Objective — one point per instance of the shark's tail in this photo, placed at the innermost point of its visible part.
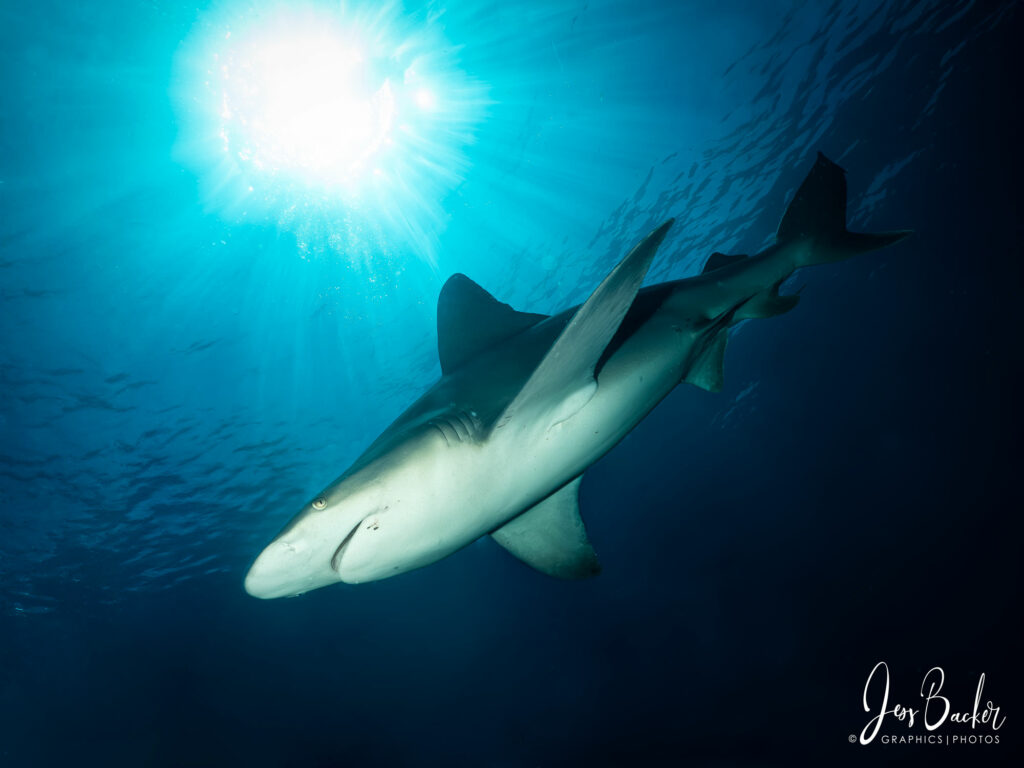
(817, 218)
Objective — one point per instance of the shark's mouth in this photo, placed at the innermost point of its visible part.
(340, 551)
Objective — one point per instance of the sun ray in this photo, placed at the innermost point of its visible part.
(322, 118)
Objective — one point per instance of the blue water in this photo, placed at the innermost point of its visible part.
(179, 375)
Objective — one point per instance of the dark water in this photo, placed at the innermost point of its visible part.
(178, 378)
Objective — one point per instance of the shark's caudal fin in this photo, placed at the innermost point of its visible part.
(564, 381)
(818, 215)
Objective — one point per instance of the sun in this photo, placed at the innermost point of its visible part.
(323, 117)
(307, 105)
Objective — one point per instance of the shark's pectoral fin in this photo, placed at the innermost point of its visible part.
(550, 536)
(564, 381)
(469, 320)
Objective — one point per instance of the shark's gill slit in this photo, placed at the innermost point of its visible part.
(456, 425)
(468, 423)
(437, 426)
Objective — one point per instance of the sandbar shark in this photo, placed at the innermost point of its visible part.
(526, 402)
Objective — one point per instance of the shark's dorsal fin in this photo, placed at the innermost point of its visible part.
(718, 260)
(564, 381)
(469, 320)
(551, 537)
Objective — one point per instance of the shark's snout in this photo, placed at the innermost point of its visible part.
(286, 568)
(267, 576)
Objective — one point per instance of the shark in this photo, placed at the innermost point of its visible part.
(527, 402)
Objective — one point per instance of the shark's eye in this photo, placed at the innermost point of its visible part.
(319, 502)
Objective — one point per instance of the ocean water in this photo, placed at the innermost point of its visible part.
(186, 361)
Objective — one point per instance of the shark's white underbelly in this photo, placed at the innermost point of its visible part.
(487, 488)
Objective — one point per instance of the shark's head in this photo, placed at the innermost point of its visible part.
(299, 558)
(361, 527)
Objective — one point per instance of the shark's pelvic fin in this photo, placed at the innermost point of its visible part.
(550, 536)
(708, 370)
(718, 260)
(767, 303)
(469, 320)
(818, 214)
(564, 381)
